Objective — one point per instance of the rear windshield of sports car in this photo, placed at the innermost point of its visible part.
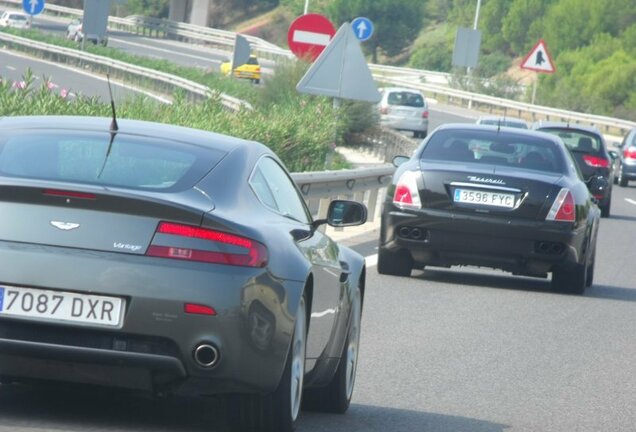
(126, 161)
(492, 148)
(577, 140)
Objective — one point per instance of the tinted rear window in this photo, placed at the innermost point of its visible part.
(489, 147)
(252, 61)
(577, 141)
(18, 17)
(133, 162)
(404, 98)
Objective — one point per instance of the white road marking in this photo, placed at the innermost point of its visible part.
(323, 313)
(631, 201)
(11, 68)
(371, 260)
(302, 36)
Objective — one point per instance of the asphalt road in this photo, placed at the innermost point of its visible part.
(465, 350)
(184, 54)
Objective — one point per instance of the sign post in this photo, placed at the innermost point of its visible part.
(538, 60)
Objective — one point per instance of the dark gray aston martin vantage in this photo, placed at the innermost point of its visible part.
(494, 197)
(162, 258)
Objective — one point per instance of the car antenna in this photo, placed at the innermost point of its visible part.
(114, 127)
(498, 125)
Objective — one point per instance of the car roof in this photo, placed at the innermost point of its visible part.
(495, 129)
(543, 124)
(400, 89)
(76, 124)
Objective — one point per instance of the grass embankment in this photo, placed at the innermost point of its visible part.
(299, 129)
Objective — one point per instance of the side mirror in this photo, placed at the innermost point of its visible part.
(344, 213)
(597, 185)
(399, 160)
(613, 154)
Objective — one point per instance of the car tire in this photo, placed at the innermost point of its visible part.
(256, 81)
(590, 271)
(336, 396)
(395, 264)
(570, 280)
(622, 180)
(605, 210)
(278, 411)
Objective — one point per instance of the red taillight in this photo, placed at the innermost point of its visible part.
(595, 161)
(425, 114)
(630, 153)
(563, 209)
(255, 254)
(384, 110)
(406, 193)
(198, 309)
(68, 194)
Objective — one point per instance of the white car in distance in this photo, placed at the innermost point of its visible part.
(17, 20)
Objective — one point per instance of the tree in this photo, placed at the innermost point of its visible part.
(521, 26)
(397, 22)
(490, 23)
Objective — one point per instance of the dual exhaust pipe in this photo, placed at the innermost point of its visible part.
(549, 248)
(412, 233)
(206, 355)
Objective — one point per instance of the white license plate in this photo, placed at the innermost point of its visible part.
(495, 199)
(61, 306)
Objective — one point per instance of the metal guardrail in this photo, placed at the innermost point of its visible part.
(159, 81)
(538, 112)
(363, 185)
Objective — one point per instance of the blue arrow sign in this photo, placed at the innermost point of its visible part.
(33, 7)
(363, 28)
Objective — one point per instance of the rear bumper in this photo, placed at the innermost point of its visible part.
(403, 123)
(440, 239)
(629, 169)
(155, 344)
(247, 75)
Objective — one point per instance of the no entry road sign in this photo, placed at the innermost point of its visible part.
(309, 34)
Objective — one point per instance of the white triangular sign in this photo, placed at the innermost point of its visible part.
(539, 59)
(341, 71)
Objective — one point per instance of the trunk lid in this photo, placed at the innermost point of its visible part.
(93, 218)
(476, 188)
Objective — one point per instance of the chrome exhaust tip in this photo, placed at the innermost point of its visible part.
(206, 355)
